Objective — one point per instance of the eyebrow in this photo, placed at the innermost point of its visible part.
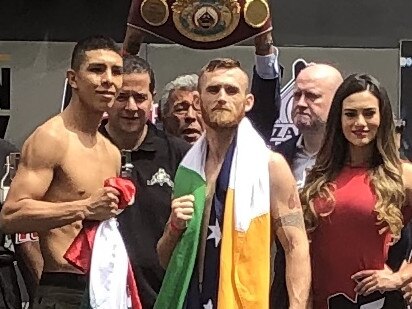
(222, 85)
(312, 91)
(133, 93)
(98, 64)
(355, 110)
(182, 102)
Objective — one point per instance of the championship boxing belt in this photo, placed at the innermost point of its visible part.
(201, 24)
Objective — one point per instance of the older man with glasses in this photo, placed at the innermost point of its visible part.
(179, 111)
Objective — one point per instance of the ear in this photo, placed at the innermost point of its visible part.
(71, 78)
(250, 100)
(196, 100)
(153, 101)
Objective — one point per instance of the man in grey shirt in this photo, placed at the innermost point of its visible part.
(314, 90)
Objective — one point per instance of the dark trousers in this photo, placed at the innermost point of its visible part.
(9, 288)
(60, 291)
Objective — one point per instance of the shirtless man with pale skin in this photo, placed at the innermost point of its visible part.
(63, 167)
(224, 100)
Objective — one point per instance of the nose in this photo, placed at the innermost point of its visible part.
(190, 116)
(131, 104)
(360, 121)
(300, 101)
(107, 77)
(221, 100)
(191, 112)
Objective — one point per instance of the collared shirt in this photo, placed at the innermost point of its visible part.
(141, 225)
(302, 162)
(267, 67)
(266, 90)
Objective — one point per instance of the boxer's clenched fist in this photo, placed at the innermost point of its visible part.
(182, 211)
(103, 204)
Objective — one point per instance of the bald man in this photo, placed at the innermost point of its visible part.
(314, 90)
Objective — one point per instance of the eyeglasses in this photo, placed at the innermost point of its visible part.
(182, 108)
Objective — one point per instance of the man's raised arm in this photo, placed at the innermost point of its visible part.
(265, 86)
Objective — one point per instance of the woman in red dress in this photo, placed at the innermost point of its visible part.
(355, 201)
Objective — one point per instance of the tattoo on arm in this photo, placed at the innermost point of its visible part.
(294, 201)
(292, 219)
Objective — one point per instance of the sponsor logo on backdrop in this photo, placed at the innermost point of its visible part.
(284, 129)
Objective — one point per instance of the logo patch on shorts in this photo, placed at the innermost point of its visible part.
(161, 178)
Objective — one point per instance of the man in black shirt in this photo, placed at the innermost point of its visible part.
(155, 156)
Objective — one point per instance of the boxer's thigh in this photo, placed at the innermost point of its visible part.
(50, 297)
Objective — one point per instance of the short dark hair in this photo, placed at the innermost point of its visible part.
(135, 64)
(91, 43)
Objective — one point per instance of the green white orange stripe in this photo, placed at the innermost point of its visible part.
(245, 253)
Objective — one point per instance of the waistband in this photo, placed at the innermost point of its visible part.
(67, 280)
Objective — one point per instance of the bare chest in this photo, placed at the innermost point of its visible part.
(83, 171)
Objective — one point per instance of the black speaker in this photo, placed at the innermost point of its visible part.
(5, 99)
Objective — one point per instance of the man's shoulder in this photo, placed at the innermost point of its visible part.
(49, 140)
(108, 144)
(53, 127)
(176, 144)
(276, 159)
(279, 171)
(179, 143)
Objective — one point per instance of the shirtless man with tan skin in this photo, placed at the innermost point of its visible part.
(224, 100)
(63, 167)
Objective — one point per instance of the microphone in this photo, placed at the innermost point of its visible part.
(127, 165)
(12, 162)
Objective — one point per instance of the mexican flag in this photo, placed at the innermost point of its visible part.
(99, 251)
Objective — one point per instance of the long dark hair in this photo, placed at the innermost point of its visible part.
(384, 168)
